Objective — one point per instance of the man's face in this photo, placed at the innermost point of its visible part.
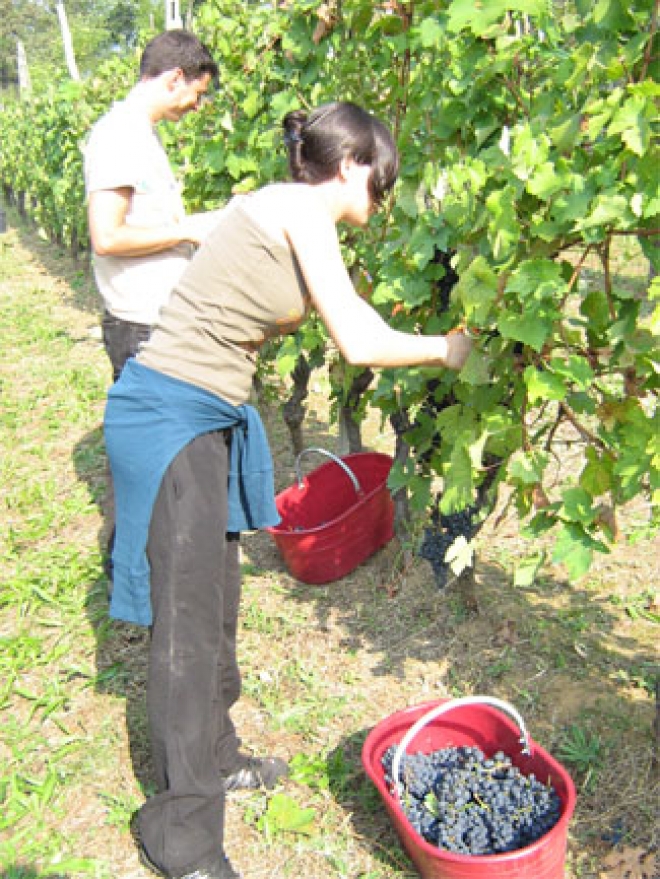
(185, 96)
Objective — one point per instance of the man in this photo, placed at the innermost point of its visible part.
(141, 237)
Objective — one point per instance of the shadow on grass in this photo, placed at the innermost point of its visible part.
(79, 288)
(358, 797)
(121, 648)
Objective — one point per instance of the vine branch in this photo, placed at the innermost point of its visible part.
(646, 61)
(584, 432)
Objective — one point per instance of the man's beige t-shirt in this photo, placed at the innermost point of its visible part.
(124, 150)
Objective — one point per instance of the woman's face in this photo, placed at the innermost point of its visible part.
(359, 203)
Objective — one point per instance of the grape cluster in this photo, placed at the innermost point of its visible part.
(441, 534)
(444, 285)
(459, 800)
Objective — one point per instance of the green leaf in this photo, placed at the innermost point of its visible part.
(612, 15)
(595, 307)
(543, 385)
(577, 506)
(457, 492)
(653, 451)
(529, 151)
(460, 555)
(476, 450)
(596, 476)
(527, 569)
(631, 470)
(608, 209)
(419, 488)
(431, 33)
(566, 133)
(570, 206)
(504, 229)
(311, 771)
(630, 122)
(286, 363)
(284, 815)
(575, 369)
(573, 549)
(399, 476)
(531, 328)
(407, 200)
(480, 15)
(476, 370)
(537, 278)
(545, 181)
(476, 290)
(527, 468)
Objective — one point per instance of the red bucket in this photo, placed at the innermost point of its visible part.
(475, 723)
(334, 518)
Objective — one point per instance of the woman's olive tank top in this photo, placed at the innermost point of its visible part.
(241, 288)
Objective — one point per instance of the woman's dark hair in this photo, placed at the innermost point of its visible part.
(318, 142)
(177, 48)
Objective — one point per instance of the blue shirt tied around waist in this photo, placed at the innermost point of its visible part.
(149, 418)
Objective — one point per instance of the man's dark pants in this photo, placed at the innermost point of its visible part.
(122, 339)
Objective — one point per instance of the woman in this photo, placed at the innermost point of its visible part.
(191, 464)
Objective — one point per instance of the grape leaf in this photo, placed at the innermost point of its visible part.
(532, 328)
(543, 385)
(476, 370)
(460, 555)
(577, 505)
(476, 290)
(479, 15)
(527, 569)
(430, 33)
(284, 815)
(573, 550)
(526, 469)
(596, 477)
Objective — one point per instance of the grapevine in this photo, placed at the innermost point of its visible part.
(524, 160)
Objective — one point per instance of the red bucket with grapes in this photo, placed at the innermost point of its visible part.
(469, 792)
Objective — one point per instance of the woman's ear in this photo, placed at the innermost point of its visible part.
(345, 167)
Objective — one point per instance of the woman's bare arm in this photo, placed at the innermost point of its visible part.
(359, 332)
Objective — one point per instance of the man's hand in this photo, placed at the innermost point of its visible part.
(198, 226)
(111, 235)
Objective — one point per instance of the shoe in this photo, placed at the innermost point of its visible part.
(219, 869)
(256, 772)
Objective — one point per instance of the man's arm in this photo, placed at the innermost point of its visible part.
(112, 236)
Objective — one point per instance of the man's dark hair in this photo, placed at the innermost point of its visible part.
(177, 48)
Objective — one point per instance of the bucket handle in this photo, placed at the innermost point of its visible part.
(347, 470)
(436, 711)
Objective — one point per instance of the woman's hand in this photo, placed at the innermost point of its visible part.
(459, 345)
